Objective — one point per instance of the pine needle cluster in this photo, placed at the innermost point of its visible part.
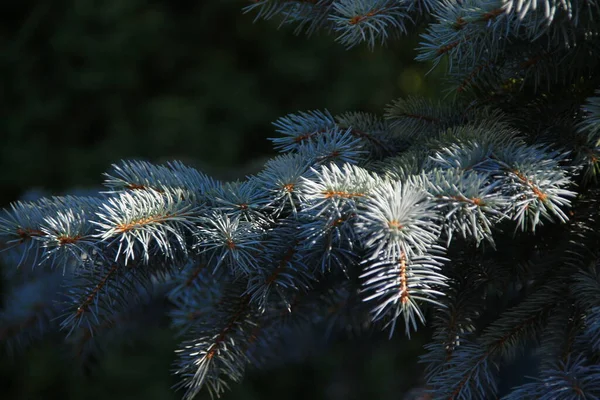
(478, 216)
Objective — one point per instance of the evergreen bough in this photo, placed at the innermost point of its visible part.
(479, 214)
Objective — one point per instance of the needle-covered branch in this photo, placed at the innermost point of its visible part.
(480, 211)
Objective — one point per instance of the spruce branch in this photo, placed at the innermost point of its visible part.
(244, 200)
(357, 21)
(592, 328)
(310, 15)
(458, 311)
(575, 378)
(284, 271)
(417, 116)
(217, 349)
(374, 132)
(571, 8)
(462, 197)
(561, 340)
(463, 31)
(331, 244)
(472, 370)
(483, 209)
(57, 229)
(537, 183)
(141, 175)
(334, 191)
(229, 241)
(591, 123)
(399, 284)
(300, 128)
(334, 146)
(96, 294)
(281, 178)
(147, 222)
(398, 221)
(124, 323)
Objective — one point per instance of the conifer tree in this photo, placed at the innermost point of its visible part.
(477, 216)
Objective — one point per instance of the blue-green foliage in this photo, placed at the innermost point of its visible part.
(363, 221)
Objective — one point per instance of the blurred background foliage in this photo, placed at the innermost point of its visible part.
(86, 83)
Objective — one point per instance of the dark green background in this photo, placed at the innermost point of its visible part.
(86, 83)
